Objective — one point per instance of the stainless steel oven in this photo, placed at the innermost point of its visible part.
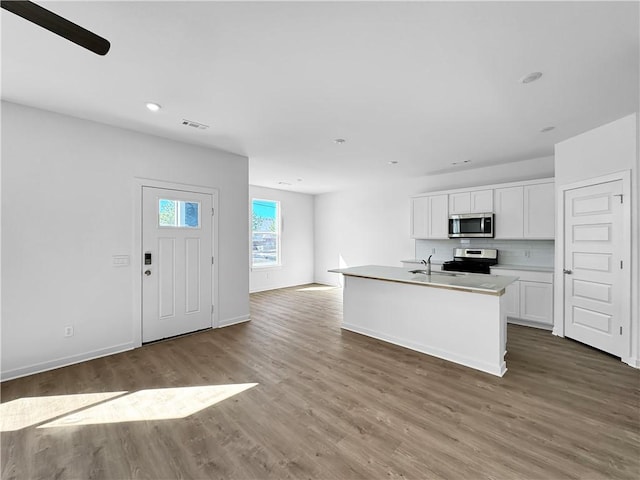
(472, 260)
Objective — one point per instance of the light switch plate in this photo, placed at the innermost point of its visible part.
(120, 260)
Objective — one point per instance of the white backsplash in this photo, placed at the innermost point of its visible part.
(539, 253)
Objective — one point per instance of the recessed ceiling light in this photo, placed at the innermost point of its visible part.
(284, 183)
(299, 179)
(154, 107)
(547, 129)
(393, 162)
(339, 141)
(532, 77)
(459, 163)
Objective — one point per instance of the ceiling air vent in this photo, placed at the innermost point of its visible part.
(191, 123)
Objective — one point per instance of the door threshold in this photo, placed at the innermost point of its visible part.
(177, 336)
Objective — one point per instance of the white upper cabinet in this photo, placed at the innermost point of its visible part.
(526, 211)
(430, 217)
(480, 201)
(509, 212)
(459, 203)
(523, 210)
(439, 216)
(539, 211)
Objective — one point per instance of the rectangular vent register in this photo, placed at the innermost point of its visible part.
(191, 123)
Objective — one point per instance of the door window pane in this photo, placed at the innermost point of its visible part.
(178, 214)
(265, 233)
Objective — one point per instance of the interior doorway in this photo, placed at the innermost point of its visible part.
(596, 280)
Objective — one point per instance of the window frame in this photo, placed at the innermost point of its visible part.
(179, 213)
(278, 235)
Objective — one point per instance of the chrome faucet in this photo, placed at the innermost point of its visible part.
(427, 263)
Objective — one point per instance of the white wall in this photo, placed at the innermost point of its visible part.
(608, 149)
(296, 241)
(370, 225)
(67, 207)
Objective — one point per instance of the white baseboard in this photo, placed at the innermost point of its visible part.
(633, 362)
(64, 361)
(278, 286)
(525, 323)
(233, 321)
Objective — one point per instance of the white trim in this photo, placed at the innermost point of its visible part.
(234, 321)
(65, 361)
(625, 177)
(632, 362)
(486, 187)
(279, 286)
(278, 263)
(136, 257)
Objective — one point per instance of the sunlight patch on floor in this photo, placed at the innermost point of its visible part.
(24, 412)
(156, 404)
(114, 407)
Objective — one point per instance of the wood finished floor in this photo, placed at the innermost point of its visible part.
(334, 404)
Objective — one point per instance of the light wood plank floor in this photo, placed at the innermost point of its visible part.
(334, 404)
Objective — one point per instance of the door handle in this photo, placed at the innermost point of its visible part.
(147, 272)
(567, 271)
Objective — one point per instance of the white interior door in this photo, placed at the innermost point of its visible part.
(594, 285)
(176, 262)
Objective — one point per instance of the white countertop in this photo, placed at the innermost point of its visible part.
(467, 282)
(526, 268)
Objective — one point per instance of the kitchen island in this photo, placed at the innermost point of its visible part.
(455, 316)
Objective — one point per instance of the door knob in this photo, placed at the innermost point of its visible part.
(147, 272)
(567, 271)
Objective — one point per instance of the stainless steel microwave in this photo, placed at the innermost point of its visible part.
(471, 225)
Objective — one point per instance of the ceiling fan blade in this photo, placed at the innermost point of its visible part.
(58, 25)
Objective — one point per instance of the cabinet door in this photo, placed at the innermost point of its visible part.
(536, 301)
(459, 203)
(512, 300)
(438, 216)
(539, 211)
(509, 210)
(482, 201)
(420, 217)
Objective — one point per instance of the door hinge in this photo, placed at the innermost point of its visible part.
(620, 330)
(621, 197)
(211, 260)
(211, 308)
(621, 267)
(213, 211)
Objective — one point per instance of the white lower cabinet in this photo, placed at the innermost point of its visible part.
(529, 301)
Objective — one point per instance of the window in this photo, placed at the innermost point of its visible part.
(178, 214)
(265, 233)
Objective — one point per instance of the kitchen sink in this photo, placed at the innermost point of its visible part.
(451, 274)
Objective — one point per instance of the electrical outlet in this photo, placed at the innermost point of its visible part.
(68, 331)
(527, 253)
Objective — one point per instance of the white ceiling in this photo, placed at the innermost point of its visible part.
(425, 84)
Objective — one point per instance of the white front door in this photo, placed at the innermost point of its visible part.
(176, 262)
(594, 285)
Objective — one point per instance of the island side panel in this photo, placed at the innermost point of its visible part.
(462, 327)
